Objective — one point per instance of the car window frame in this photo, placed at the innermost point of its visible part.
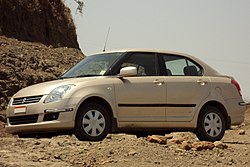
(115, 69)
(163, 67)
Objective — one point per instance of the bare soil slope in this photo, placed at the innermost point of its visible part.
(123, 150)
(46, 21)
(26, 63)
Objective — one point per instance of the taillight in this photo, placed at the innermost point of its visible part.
(235, 83)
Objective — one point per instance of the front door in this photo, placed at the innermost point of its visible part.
(141, 98)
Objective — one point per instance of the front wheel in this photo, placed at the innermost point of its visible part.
(92, 122)
(211, 124)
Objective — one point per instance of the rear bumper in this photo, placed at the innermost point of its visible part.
(244, 103)
(237, 108)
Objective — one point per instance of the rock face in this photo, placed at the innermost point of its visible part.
(157, 139)
(45, 21)
(185, 141)
(203, 145)
(185, 145)
(24, 63)
(242, 132)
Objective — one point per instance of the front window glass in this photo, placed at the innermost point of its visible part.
(146, 63)
(95, 65)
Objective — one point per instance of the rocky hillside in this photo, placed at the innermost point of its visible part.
(45, 21)
(26, 63)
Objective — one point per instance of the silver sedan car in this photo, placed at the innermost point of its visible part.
(130, 89)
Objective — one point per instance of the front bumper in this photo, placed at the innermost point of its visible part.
(41, 117)
(39, 127)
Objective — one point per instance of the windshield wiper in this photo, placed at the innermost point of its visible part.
(88, 75)
(79, 76)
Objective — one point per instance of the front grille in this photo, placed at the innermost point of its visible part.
(26, 119)
(26, 100)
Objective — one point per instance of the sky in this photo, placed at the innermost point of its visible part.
(216, 31)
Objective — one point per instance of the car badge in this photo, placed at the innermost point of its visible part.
(24, 99)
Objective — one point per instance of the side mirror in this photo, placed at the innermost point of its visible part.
(128, 71)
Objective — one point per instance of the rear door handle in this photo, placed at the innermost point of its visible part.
(158, 82)
(201, 82)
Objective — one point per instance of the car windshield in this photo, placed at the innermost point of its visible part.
(95, 65)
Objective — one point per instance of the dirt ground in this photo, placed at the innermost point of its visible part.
(123, 150)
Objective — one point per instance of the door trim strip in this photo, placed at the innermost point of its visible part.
(156, 105)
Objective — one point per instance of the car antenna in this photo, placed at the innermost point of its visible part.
(104, 49)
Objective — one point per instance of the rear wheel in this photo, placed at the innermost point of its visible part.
(211, 124)
(92, 122)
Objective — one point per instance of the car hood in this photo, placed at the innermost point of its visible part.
(46, 87)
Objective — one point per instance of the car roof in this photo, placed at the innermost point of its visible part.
(146, 50)
(208, 70)
(152, 51)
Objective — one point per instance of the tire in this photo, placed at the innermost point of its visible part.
(92, 123)
(211, 124)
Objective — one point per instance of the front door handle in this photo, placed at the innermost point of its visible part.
(201, 82)
(158, 82)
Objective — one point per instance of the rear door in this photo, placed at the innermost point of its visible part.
(186, 87)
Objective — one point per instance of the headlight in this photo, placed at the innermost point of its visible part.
(57, 94)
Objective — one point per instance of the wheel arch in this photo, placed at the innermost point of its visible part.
(101, 101)
(219, 106)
